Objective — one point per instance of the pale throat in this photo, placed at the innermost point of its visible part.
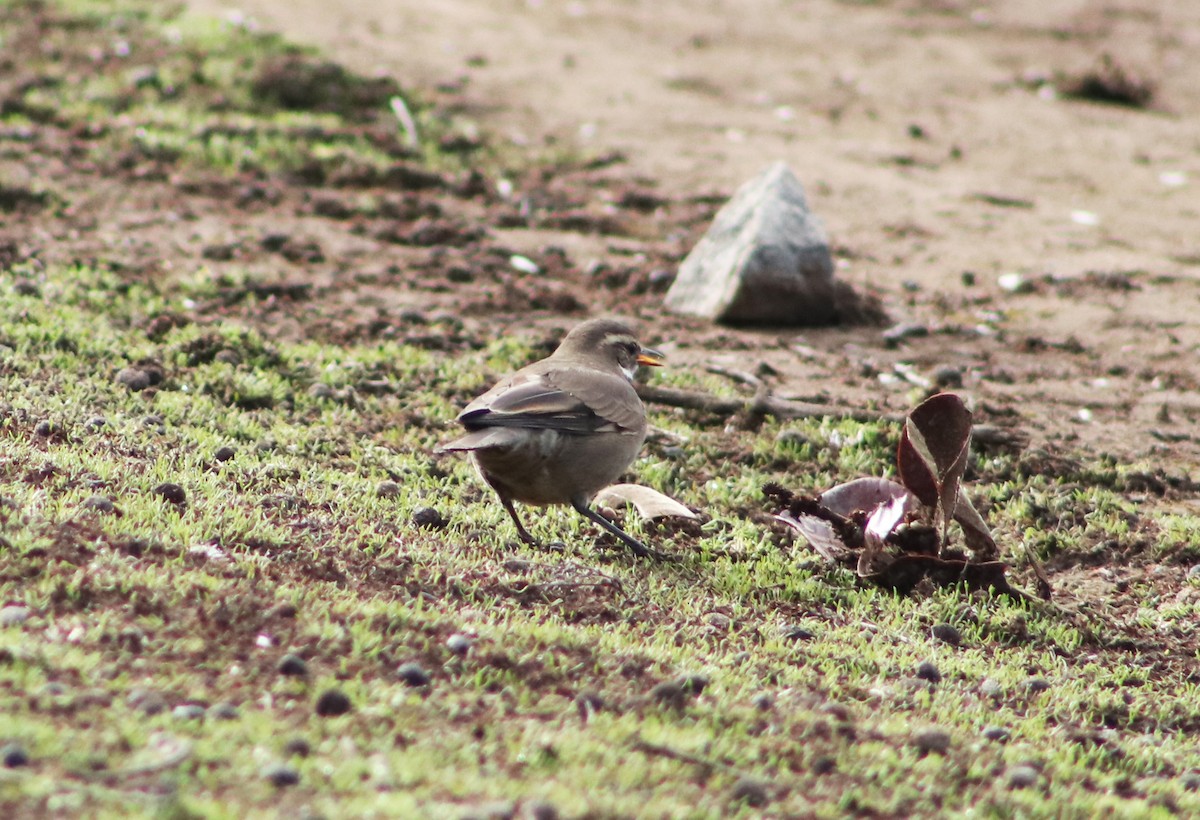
(628, 371)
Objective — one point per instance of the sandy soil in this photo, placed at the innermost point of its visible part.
(935, 141)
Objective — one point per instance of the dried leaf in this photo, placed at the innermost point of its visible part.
(821, 535)
(879, 526)
(976, 533)
(933, 454)
(863, 494)
(650, 503)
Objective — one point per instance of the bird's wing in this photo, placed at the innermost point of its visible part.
(566, 400)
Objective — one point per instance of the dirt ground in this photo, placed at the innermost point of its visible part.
(936, 139)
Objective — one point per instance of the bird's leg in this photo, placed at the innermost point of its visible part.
(639, 549)
(522, 533)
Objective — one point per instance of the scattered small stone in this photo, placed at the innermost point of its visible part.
(45, 429)
(997, 734)
(932, 741)
(96, 423)
(13, 755)
(1194, 573)
(188, 711)
(947, 634)
(14, 615)
(676, 693)
(1023, 777)
(133, 378)
(99, 503)
(297, 747)
(459, 644)
(1191, 781)
(751, 792)
(332, 703)
(413, 674)
(991, 688)
(223, 711)
(320, 390)
(224, 453)
(388, 489)
(719, 621)
(427, 518)
(281, 775)
(292, 666)
(541, 810)
(905, 330)
(147, 701)
(228, 356)
(763, 702)
(928, 671)
(824, 764)
(1036, 685)
(171, 493)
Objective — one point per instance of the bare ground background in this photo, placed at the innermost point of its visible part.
(934, 138)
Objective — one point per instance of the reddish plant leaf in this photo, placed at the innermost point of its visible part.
(976, 533)
(933, 454)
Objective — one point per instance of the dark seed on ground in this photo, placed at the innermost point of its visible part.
(927, 671)
(45, 429)
(224, 453)
(947, 634)
(932, 740)
(14, 755)
(413, 674)
(172, 493)
(332, 703)
(292, 666)
(751, 792)
(823, 765)
(798, 633)
(280, 775)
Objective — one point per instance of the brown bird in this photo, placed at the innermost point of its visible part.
(563, 428)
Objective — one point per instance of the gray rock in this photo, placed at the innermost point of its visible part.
(1023, 777)
(764, 260)
(932, 741)
(134, 378)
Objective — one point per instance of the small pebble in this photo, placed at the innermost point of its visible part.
(171, 493)
(1022, 777)
(223, 711)
(997, 734)
(907, 330)
(541, 810)
(1036, 685)
(427, 518)
(188, 711)
(320, 390)
(1191, 781)
(990, 687)
(719, 621)
(459, 644)
(224, 453)
(14, 615)
(413, 674)
(388, 489)
(13, 755)
(763, 702)
(45, 429)
(332, 703)
(798, 633)
(147, 701)
(133, 378)
(297, 747)
(932, 740)
(281, 775)
(292, 666)
(947, 634)
(1194, 573)
(927, 671)
(751, 792)
(96, 423)
(98, 503)
(947, 377)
